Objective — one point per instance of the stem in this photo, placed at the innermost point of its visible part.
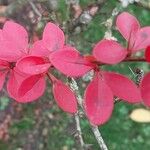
(134, 60)
(99, 138)
(34, 8)
(94, 129)
(79, 132)
(74, 87)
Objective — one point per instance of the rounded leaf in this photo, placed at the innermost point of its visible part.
(33, 65)
(13, 85)
(122, 87)
(53, 37)
(109, 52)
(38, 49)
(98, 101)
(64, 97)
(128, 26)
(142, 39)
(27, 84)
(145, 89)
(4, 65)
(16, 34)
(70, 62)
(10, 52)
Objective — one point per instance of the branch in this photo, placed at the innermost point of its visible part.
(79, 132)
(95, 130)
(77, 119)
(35, 9)
(99, 138)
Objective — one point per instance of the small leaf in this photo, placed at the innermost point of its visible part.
(128, 26)
(14, 84)
(109, 52)
(38, 49)
(64, 97)
(53, 37)
(142, 39)
(70, 62)
(123, 87)
(98, 101)
(145, 89)
(28, 84)
(32, 65)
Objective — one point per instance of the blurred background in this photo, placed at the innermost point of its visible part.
(41, 125)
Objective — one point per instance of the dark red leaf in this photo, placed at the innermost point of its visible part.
(64, 97)
(98, 101)
(109, 52)
(145, 89)
(123, 87)
(147, 54)
(70, 62)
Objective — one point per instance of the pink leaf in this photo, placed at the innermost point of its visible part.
(128, 26)
(64, 97)
(13, 85)
(28, 84)
(70, 62)
(142, 39)
(4, 65)
(33, 65)
(16, 34)
(1, 35)
(2, 79)
(109, 52)
(145, 89)
(147, 54)
(98, 101)
(122, 87)
(9, 51)
(38, 49)
(53, 37)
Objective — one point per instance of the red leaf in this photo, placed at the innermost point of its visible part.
(147, 54)
(142, 39)
(4, 65)
(32, 65)
(128, 26)
(109, 52)
(53, 37)
(145, 89)
(13, 85)
(28, 84)
(38, 49)
(16, 34)
(98, 101)
(64, 97)
(13, 41)
(70, 62)
(9, 51)
(122, 87)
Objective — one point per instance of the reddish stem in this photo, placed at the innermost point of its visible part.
(134, 60)
(51, 77)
